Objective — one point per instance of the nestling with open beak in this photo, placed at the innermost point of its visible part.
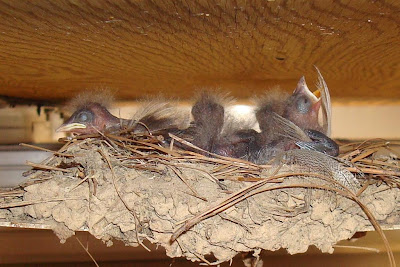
(302, 107)
(303, 110)
(290, 122)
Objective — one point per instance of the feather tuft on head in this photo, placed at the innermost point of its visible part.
(274, 100)
(159, 113)
(215, 96)
(102, 96)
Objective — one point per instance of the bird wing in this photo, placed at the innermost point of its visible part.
(288, 129)
(317, 162)
(326, 104)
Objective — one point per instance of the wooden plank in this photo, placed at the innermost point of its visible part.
(54, 49)
(29, 246)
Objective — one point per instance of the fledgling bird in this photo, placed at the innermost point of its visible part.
(269, 143)
(301, 108)
(92, 116)
(91, 113)
(206, 129)
(287, 122)
(208, 119)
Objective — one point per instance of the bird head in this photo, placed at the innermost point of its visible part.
(209, 110)
(303, 107)
(274, 101)
(89, 119)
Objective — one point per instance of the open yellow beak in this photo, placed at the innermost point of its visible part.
(317, 93)
(68, 127)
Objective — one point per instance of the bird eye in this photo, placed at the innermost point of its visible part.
(84, 116)
(303, 105)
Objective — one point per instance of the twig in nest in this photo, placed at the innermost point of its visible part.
(143, 167)
(367, 144)
(202, 258)
(68, 139)
(131, 210)
(213, 179)
(12, 193)
(33, 202)
(186, 183)
(154, 146)
(222, 160)
(373, 171)
(226, 171)
(359, 145)
(58, 153)
(78, 184)
(221, 167)
(225, 217)
(241, 178)
(350, 154)
(46, 167)
(160, 148)
(378, 163)
(364, 154)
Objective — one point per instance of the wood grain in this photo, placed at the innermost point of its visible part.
(56, 48)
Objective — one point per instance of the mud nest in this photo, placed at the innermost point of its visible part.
(133, 189)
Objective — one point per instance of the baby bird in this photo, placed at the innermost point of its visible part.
(208, 119)
(92, 116)
(206, 129)
(302, 107)
(90, 119)
(287, 122)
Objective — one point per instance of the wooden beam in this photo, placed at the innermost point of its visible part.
(54, 49)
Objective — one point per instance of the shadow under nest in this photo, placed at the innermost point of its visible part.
(133, 189)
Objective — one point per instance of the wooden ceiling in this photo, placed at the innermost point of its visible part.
(54, 49)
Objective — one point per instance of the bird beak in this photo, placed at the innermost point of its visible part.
(68, 127)
(302, 88)
(317, 93)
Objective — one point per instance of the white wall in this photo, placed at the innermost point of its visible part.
(356, 121)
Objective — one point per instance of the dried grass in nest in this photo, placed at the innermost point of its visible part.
(133, 189)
